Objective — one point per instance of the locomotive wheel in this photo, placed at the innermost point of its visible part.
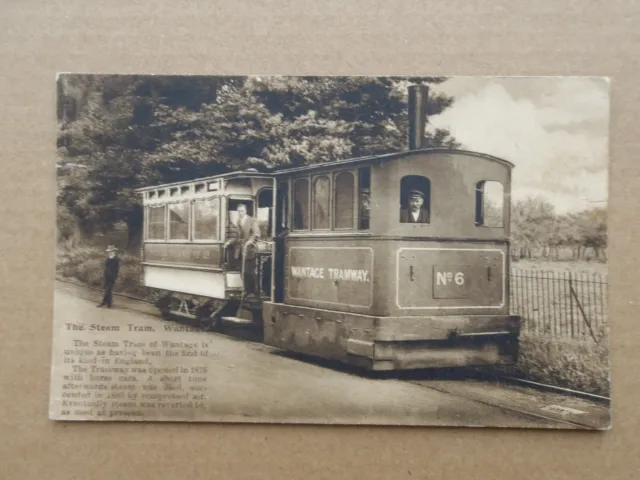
(203, 314)
(164, 305)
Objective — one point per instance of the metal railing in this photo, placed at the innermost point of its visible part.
(560, 304)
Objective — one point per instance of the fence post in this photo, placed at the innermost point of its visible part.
(584, 315)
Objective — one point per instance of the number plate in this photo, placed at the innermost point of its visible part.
(451, 281)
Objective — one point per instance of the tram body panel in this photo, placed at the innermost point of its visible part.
(448, 278)
(339, 275)
(191, 282)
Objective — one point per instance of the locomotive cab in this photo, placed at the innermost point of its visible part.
(397, 261)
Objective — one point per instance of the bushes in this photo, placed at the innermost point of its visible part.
(570, 363)
(86, 265)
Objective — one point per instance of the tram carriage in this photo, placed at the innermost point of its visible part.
(343, 271)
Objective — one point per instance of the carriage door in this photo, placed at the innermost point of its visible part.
(282, 223)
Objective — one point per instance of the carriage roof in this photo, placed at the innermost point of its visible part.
(390, 156)
(228, 176)
(330, 165)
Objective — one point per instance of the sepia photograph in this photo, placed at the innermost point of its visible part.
(367, 250)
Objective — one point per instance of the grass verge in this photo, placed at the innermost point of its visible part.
(86, 265)
(569, 363)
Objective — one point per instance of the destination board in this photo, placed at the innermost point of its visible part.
(183, 254)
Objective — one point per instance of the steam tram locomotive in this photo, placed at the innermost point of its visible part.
(345, 270)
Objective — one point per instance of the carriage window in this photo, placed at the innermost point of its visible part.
(321, 199)
(179, 221)
(206, 215)
(343, 200)
(489, 204)
(364, 202)
(156, 222)
(415, 199)
(301, 204)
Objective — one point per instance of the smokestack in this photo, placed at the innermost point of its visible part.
(418, 96)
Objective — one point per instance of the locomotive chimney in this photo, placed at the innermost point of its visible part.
(418, 96)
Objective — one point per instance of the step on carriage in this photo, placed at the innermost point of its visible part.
(347, 267)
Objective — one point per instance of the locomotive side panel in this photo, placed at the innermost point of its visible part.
(341, 275)
(448, 278)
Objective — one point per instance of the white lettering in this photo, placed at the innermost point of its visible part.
(445, 278)
(352, 275)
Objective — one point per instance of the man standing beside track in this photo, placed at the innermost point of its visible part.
(111, 269)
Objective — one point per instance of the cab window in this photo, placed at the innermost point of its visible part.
(415, 199)
(321, 199)
(344, 185)
(364, 197)
(489, 204)
(301, 204)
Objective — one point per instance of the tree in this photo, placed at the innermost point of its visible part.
(117, 133)
(532, 224)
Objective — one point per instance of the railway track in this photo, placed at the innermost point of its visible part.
(437, 383)
(551, 419)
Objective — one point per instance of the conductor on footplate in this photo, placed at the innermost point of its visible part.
(415, 213)
(243, 239)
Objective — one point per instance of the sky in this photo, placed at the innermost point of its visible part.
(554, 129)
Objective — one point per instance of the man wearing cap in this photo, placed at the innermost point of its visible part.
(111, 269)
(415, 213)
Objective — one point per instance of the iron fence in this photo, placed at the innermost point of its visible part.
(560, 304)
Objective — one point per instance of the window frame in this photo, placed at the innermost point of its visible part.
(355, 194)
(148, 208)
(329, 220)
(260, 191)
(331, 175)
(427, 200)
(218, 202)
(479, 212)
(168, 222)
(293, 198)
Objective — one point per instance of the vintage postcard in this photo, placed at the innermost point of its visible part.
(332, 250)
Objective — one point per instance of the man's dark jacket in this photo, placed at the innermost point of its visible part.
(406, 217)
(111, 269)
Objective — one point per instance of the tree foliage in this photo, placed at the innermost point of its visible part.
(118, 133)
(536, 226)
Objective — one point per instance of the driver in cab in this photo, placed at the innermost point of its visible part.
(416, 213)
